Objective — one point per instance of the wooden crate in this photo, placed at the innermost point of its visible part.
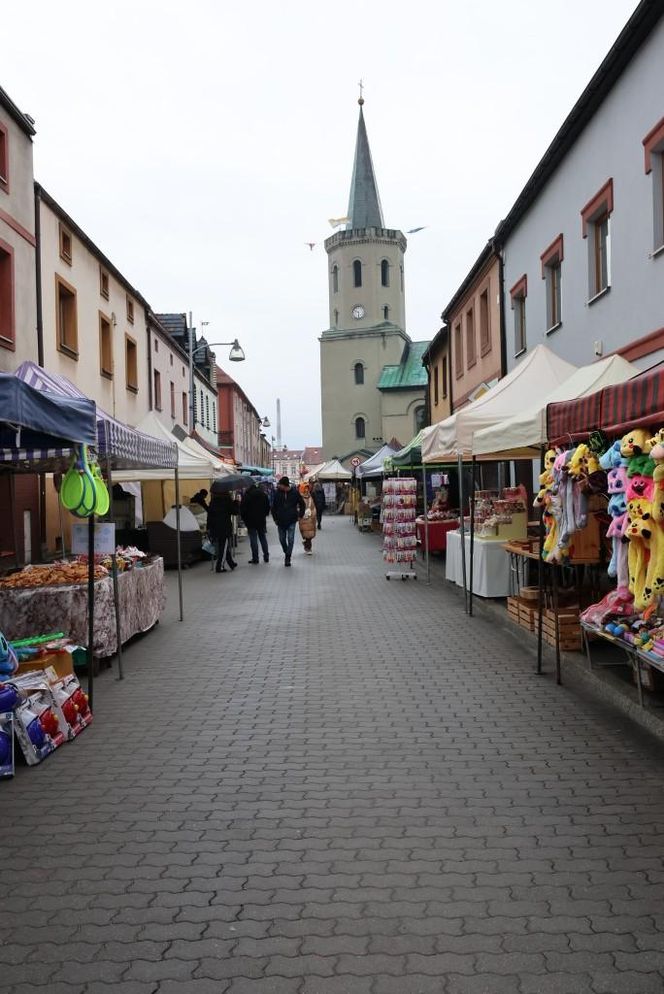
(522, 612)
(569, 628)
(513, 609)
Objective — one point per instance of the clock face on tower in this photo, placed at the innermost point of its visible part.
(358, 312)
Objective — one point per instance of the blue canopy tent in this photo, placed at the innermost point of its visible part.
(38, 427)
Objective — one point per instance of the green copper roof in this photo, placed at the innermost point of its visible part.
(409, 374)
(364, 210)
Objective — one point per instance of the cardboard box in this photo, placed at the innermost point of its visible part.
(62, 662)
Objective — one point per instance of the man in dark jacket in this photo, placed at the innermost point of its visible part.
(220, 528)
(318, 495)
(254, 510)
(287, 508)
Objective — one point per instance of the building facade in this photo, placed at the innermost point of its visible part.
(288, 462)
(203, 404)
(240, 425)
(583, 246)
(372, 381)
(168, 376)
(473, 321)
(436, 360)
(18, 296)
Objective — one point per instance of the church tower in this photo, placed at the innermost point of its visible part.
(367, 330)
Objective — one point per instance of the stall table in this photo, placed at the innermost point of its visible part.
(438, 531)
(26, 612)
(491, 570)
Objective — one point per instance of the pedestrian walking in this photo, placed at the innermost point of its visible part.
(308, 519)
(254, 509)
(318, 494)
(220, 528)
(287, 508)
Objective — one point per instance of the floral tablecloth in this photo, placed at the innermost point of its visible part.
(65, 609)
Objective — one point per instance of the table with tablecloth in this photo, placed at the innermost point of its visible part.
(438, 531)
(28, 612)
(491, 568)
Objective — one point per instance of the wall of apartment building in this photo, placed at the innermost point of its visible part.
(609, 150)
(18, 299)
(170, 380)
(474, 336)
(206, 410)
(439, 370)
(117, 379)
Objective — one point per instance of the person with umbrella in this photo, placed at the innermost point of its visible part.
(287, 508)
(254, 510)
(220, 517)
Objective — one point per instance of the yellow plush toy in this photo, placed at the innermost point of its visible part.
(657, 455)
(645, 554)
(583, 462)
(635, 443)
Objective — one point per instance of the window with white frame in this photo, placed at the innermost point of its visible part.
(518, 295)
(551, 260)
(653, 145)
(596, 230)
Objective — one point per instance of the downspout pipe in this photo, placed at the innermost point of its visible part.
(40, 347)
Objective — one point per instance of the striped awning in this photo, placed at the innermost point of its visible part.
(638, 402)
(125, 446)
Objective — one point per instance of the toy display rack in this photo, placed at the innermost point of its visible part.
(399, 529)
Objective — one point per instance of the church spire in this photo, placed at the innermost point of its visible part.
(364, 210)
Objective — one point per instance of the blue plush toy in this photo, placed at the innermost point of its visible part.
(612, 458)
(8, 660)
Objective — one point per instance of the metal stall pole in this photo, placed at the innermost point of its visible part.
(462, 532)
(177, 527)
(91, 608)
(426, 524)
(555, 608)
(472, 537)
(114, 573)
(540, 577)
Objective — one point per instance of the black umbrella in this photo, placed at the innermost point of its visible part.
(235, 481)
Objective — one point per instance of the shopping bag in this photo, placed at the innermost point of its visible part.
(208, 546)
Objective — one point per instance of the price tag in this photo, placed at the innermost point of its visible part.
(104, 538)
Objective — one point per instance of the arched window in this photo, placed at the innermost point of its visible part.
(359, 373)
(336, 319)
(386, 313)
(357, 273)
(359, 428)
(384, 273)
(419, 418)
(401, 270)
(335, 279)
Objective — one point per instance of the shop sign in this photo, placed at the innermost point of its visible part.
(104, 539)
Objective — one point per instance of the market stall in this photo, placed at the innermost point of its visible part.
(452, 439)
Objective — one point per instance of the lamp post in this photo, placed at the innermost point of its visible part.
(236, 354)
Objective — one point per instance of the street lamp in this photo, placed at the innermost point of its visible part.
(236, 354)
(266, 422)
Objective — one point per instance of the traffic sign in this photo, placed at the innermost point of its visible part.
(355, 461)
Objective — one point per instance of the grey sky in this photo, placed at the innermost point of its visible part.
(201, 145)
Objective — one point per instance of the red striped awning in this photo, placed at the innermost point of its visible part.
(636, 403)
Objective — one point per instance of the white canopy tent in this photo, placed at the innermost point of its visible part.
(333, 470)
(373, 466)
(220, 468)
(523, 435)
(314, 471)
(190, 465)
(539, 372)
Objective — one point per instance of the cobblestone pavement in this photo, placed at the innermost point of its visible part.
(324, 783)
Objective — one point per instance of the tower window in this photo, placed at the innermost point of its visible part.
(336, 319)
(359, 428)
(420, 418)
(335, 279)
(384, 273)
(357, 273)
(401, 272)
(359, 373)
(386, 313)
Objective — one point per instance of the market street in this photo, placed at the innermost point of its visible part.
(322, 782)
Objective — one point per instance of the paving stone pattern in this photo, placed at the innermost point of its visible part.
(325, 783)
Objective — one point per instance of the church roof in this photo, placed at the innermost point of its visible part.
(410, 373)
(364, 210)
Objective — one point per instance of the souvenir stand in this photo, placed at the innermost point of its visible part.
(119, 447)
(38, 433)
(451, 440)
(524, 436)
(627, 421)
(431, 529)
(399, 541)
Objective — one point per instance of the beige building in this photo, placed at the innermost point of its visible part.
(372, 379)
(18, 296)
(93, 321)
(437, 362)
(169, 376)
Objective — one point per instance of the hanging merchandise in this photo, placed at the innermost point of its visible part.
(399, 533)
(6, 743)
(83, 491)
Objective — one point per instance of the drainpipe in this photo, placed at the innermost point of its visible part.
(40, 347)
(497, 250)
(147, 325)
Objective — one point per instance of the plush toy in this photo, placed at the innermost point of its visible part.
(645, 554)
(612, 458)
(635, 443)
(574, 506)
(657, 455)
(641, 464)
(8, 660)
(585, 468)
(617, 508)
(640, 486)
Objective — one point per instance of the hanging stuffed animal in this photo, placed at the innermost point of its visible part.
(645, 554)
(612, 458)
(657, 455)
(635, 443)
(617, 508)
